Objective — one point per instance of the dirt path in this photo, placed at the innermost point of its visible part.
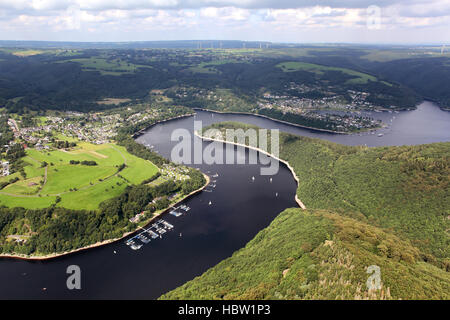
(66, 192)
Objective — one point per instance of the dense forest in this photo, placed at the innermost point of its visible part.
(77, 79)
(318, 254)
(6, 134)
(425, 76)
(386, 206)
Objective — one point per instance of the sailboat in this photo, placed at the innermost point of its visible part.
(253, 178)
(210, 203)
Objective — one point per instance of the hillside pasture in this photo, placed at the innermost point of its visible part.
(49, 175)
(359, 77)
(113, 67)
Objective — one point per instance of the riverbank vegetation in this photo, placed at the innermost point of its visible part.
(72, 195)
(57, 229)
(318, 254)
(386, 206)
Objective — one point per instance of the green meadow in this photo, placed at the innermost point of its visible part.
(50, 176)
(319, 69)
(105, 66)
(210, 67)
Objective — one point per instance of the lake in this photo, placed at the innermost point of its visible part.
(240, 208)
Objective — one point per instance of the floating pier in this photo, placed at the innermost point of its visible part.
(155, 231)
(175, 213)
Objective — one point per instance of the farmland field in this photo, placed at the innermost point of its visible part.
(49, 176)
(105, 66)
(319, 69)
(209, 67)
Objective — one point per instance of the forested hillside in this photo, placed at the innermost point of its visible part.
(76, 79)
(385, 206)
(424, 76)
(319, 255)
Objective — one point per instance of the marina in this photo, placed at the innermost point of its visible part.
(177, 212)
(155, 231)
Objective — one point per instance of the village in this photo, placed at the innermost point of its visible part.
(322, 108)
(300, 96)
(95, 128)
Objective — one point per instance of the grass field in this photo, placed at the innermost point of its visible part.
(115, 67)
(112, 101)
(390, 55)
(78, 186)
(209, 67)
(319, 69)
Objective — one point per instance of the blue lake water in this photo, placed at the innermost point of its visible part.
(240, 208)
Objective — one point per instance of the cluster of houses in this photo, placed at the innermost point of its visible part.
(308, 107)
(4, 169)
(175, 173)
(143, 116)
(342, 123)
(90, 131)
(95, 128)
(137, 217)
(331, 100)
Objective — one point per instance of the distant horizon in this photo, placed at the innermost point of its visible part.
(242, 41)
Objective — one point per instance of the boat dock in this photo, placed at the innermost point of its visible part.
(155, 231)
(178, 211)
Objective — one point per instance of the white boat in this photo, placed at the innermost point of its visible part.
(136, 246)
(167, 225)
(152, 234)
(210, 203)
(175, 213)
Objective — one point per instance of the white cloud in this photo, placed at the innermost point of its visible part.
(274, 20)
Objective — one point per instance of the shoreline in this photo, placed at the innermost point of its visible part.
(280, 121)
(111, 241)
(142, 131)
(297, 199)
(106, 242)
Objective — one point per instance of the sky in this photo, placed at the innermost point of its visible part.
(300, 21)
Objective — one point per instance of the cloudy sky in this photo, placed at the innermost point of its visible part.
(356, 21)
